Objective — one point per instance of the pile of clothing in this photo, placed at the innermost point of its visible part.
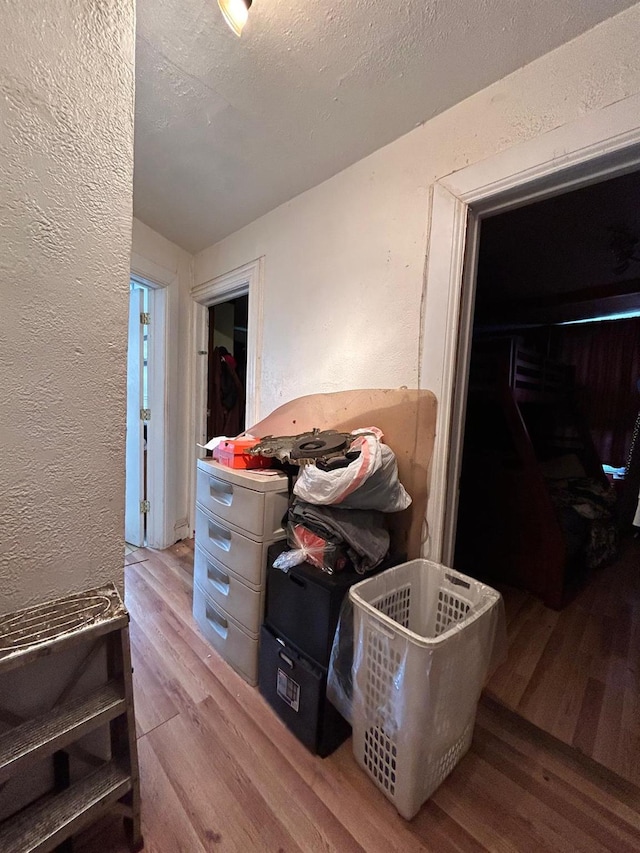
(336, 519)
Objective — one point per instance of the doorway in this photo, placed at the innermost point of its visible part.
(136, 500)
(146, 452)
(245, 281)
(227, 367)
(553, 377)
(594, 147)
(552, 396)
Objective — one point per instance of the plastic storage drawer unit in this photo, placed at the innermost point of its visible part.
(238, 516)
(234, 595)
(244, 498)
(296, 688)
(304, 603)
(230, 639)
(230, 546)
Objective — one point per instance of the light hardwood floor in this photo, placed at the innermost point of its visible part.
(220, 772)
(576, 673)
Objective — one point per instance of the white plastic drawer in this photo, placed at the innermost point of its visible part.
(237, 647)
(226, 589)
(237, 504)
(275, 506)
(242, 555)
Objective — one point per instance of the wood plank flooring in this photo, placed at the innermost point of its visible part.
(576, 674)
(220, 772)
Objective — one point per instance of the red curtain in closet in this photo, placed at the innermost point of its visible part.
(606, 356)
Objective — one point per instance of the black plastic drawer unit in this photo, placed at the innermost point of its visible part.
(303, 604)
(295, 687)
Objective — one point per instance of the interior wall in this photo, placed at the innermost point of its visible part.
(344, 261)
(66, 147)
(223, 329)
(161, 261)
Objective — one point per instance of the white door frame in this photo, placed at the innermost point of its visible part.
(245, 280)
(600, 145)
(134, 532)
(159, 524)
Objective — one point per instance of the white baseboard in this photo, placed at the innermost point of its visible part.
(181, 530)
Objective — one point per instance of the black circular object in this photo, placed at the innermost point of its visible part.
(323, 443)
(313, 444)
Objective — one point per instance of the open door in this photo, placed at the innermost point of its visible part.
(134, 477)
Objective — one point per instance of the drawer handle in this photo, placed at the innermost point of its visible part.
(286, 659)
(217, 622)
(218, 579)
(221, 492)
(220, 536)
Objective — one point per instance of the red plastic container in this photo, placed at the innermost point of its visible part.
(232, 453)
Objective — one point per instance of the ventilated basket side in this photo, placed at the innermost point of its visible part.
(409, 731)
(376, 701)
(415, 696)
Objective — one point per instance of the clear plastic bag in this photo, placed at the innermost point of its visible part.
(370, 481)
(340, 677)
(288, 559)
(382, 490)
(307, 546)
(316, 486)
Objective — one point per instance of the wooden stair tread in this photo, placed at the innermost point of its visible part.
(60, 726)
(44, 825)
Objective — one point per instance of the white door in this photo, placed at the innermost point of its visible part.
(134, 477)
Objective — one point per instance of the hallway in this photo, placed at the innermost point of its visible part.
(220, 771)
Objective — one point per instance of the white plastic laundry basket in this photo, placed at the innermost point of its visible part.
(423, 640)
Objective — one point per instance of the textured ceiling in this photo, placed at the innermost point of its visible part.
(227, 128)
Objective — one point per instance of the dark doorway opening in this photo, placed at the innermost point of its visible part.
(227, 367)
(553, 396)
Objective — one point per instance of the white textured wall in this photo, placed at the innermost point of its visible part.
(66, 149)
(344, 261)
(164, 263)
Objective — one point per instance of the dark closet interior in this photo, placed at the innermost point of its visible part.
(227, 367)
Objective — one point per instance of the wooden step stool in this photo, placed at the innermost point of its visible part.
(98, 619)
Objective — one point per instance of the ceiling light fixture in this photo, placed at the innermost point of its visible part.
(235, 13)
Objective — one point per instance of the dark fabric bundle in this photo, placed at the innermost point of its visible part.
(362, 531)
